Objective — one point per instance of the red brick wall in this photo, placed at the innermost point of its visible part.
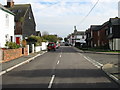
(11, 54)
(25, 51)
(103, 37)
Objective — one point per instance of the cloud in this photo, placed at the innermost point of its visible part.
(59, 16)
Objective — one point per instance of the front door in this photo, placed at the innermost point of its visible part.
(18, 40)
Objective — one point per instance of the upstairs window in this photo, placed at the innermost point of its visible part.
(7, 20)
(110, 30)
(29, 15)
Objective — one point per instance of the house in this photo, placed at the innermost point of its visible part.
(38, 33)
(88, 37)
(6, 26)
(94, 35)
(102, 38)
(24, 20)
(77, 38)
(113, 33)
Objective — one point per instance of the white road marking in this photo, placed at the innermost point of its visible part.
(58, 62)
(95, 63)
(60, 56)
(51, 81)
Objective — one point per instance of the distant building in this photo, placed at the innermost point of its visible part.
(77, 38)
(38, 33)
(6, 26)
(24, 20)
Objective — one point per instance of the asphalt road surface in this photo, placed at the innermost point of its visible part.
(63, 68)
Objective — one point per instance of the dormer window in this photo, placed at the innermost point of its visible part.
(7, 20)
(110, 30)
(29, 15)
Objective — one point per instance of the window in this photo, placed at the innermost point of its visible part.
(106, 32)
(110, 30)
(83, 37)
(29, 15)
(11, 38)
(7, 20)
(98, 33)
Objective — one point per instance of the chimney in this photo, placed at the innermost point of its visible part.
(10, 3)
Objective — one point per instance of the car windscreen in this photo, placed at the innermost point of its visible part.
(50, 44)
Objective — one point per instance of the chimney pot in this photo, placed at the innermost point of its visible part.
(10, 3)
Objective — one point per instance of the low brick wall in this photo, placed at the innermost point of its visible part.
(11, 54)
(1, 55)
(25, 51)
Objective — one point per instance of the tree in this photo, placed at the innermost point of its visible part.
(65, 39)
(45, 33)
(50, 38)
(60, 38)
(35, 40)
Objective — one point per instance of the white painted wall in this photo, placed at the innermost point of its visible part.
(114, 44)
(6, 27)
(44, 46)
(38, 48)
(82, 40)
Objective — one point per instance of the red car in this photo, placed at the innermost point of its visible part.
(51, 46)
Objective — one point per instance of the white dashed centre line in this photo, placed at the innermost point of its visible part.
(51, 81)
(60, 56)
(58, 62)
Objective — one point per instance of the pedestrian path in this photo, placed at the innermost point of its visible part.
(12, 63)
(110, 69)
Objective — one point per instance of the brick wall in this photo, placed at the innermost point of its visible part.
(1, 55)
(25, 50)
(11, 54)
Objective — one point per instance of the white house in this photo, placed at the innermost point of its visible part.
(6, 26)
(77, 38)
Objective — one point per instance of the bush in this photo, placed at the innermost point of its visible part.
(34, 40)
(24, 43)
(12, 45)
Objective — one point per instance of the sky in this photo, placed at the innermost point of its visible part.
(60, 16)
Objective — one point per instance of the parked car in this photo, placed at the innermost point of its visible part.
(66, 44)
(51, 46)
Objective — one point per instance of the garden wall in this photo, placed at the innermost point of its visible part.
(10, 54)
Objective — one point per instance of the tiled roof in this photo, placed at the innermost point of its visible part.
(115, 21)
(95, 27)
(19, 10)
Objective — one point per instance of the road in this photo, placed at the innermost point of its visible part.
(63, 68)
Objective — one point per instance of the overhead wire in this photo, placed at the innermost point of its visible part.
(89, 12)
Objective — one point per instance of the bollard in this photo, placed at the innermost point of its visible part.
(33, 48)
(28, 49)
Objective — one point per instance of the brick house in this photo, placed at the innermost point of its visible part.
(24, 20)
(6, 26)
(88, 37)
(94, 39)
(113, 33)
(102, 38)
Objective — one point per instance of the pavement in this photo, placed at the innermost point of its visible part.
(9, 65)
(112, 70)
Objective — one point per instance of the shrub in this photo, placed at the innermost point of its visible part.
(35, 40)
(24, 43)
(12, 45)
